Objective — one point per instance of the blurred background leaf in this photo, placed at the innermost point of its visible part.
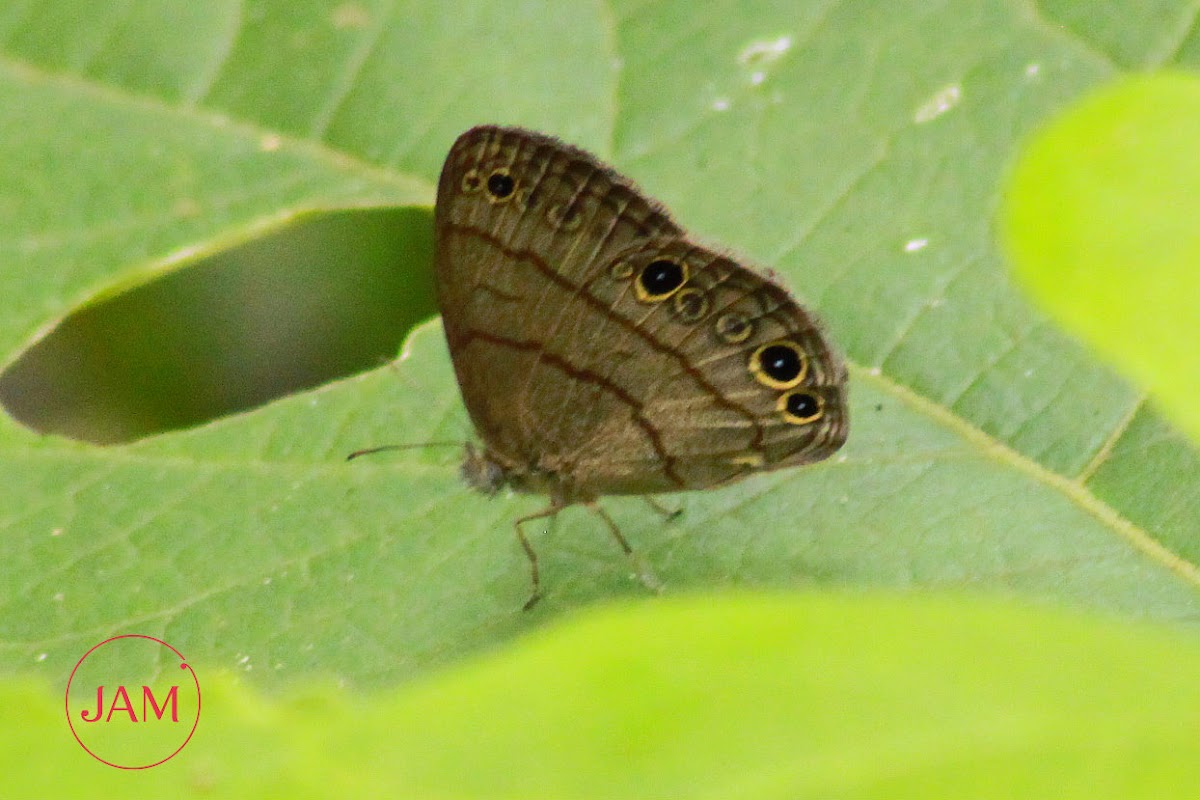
(1101, 221)
(802, 696)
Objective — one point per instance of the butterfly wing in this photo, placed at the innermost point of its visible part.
(594, 342)
(520, 220)
(707, 371)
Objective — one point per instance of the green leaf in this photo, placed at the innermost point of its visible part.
(1101, 222)
(829, 142)
(754, 696)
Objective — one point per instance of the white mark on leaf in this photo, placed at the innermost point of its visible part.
(758, 56)
(942, 101)
(762, 52)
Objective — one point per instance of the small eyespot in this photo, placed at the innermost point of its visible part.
(501, 185)
(620, 270)
(780, 365)
(471, 181)
(564, 218)
(800, 408)
(660, 279)
(690, 304)
(733, 328)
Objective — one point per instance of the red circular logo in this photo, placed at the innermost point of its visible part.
(133, 701)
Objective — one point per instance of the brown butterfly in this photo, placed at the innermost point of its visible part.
(600, 350)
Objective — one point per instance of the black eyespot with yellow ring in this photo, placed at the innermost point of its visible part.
(780, 365)
(660, 279)
(500, 185)
(800, 407)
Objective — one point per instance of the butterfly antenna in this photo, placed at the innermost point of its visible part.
(368, 451)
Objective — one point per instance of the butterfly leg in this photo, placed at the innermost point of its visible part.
(668, 514)
(534, 578)
(647, 577)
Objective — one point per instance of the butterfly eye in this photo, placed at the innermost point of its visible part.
(801, 408)
(780, 365)
(660, 279)
(501, 185)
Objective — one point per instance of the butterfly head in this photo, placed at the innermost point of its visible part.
(481, 472)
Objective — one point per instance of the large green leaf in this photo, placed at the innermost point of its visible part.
(854, 148)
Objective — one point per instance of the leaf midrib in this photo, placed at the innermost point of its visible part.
(1070, 488)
